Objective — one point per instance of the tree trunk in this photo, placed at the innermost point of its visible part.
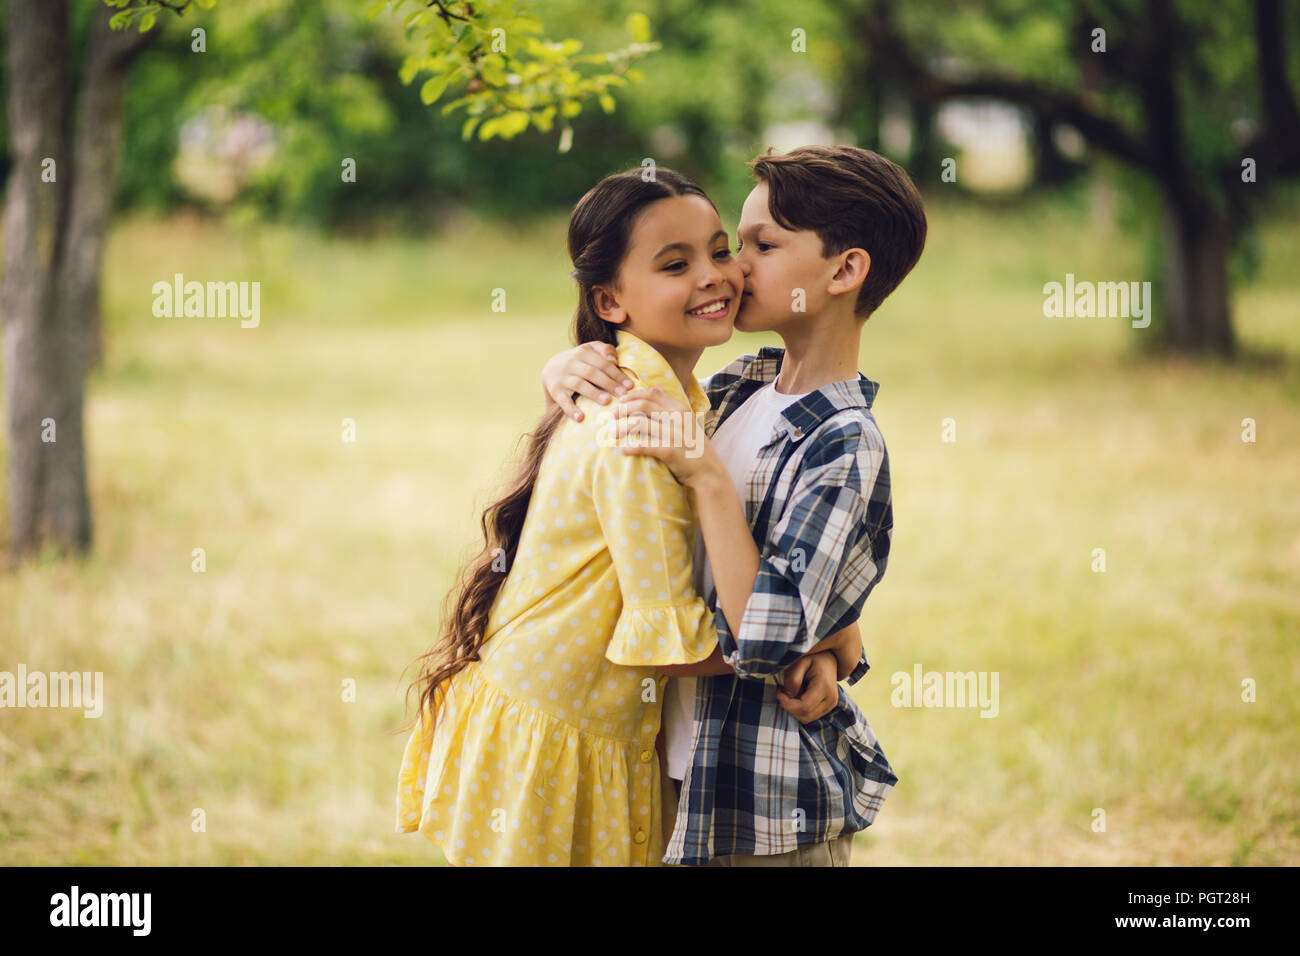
(923, 155)
(1196, 310)
(54, 231)
(101, 108)
(860, 99)
(1050, 167)
(47, 498)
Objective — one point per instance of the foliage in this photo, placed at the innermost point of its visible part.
(512, 77)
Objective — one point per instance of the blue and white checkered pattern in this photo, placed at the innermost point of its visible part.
(819, 506)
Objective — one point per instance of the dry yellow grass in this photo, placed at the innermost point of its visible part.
(327, 561)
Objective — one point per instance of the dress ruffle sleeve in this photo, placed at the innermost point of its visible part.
(649, 525)
(670, 634)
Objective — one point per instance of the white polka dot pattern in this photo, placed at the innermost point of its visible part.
(544, 750)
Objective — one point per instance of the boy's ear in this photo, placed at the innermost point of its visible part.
(854, 265)
(606, 305)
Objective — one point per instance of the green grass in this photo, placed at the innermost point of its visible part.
(328, 561)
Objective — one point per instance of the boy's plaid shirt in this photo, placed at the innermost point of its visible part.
(820, 509)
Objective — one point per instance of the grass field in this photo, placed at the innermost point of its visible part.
(327, 561)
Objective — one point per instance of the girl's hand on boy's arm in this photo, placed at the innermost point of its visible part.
(652, 422)
(590, 369)
(811, 690)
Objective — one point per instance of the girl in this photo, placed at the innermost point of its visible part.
(540, 704)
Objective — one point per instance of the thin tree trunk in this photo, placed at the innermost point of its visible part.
(54, 235)
(47, 498)
(860, 99)
(923, 158)
(1050, 167)
(1197, 313)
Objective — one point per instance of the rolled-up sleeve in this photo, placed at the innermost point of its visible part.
(817, 555)
(859, 670)
(649, 525)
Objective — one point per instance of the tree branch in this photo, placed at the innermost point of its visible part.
(1057, 106)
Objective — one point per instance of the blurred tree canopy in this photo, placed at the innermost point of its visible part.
(329, 81)
(333, 84)
(340, 112)
(1195, 99)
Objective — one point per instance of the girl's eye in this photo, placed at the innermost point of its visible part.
(681, 263)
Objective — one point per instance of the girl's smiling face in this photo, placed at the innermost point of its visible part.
(678, 287)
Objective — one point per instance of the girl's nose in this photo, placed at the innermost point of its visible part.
(713, 275)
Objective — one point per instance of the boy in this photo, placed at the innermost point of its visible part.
(797, 464)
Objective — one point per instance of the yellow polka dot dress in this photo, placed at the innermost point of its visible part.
(543, 752)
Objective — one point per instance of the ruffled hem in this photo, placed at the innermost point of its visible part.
(651, 636)
(485, 786)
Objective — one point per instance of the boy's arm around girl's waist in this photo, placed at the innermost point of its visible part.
(845, 645)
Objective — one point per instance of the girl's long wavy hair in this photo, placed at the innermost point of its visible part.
(599, 231)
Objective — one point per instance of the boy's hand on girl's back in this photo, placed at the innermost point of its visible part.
(811, 689)
(590, 369)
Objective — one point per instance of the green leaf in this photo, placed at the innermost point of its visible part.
(206, 4)
(489, 128)
(545, 52)
(467, 130)
(493, 68)
(432, 89)
(606, 102)
(455, 103)
(523, 24)
(513, 123)
(638, 24)
(570, 108)
(147, 21)
(410, 67)
(545, 119)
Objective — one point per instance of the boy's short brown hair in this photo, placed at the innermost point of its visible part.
(852, 198)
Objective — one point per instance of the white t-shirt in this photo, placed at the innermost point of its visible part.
(737, 441)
